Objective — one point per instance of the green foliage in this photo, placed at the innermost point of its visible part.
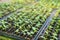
(5, 38)
(27, 22)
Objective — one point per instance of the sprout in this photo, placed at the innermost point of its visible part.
(28, 33)
(31, 32)
(30, 19)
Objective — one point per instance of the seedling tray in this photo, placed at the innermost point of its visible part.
(20, 28)
(53, 28)
(24, 24)
(10, 35)
(6, 8)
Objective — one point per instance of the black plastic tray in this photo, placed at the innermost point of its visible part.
(15, 36)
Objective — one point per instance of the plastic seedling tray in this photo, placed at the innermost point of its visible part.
(23, 25)
(53, 28)
(8, 34)
(44, 27)
(6, 8)
(11, 35)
